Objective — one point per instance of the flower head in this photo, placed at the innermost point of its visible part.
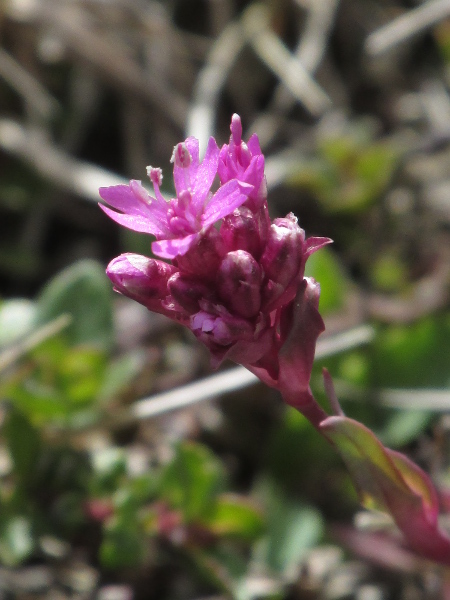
(244, 162)
(239, 286)
(178, 223)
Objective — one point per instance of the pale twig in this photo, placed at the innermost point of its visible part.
(285, 65)
(33, 146)
(233, 379)
(10, 355)
(407, 25)
(210, 82)
(27, 86)
(416, 399)
(309, 51)
(111, 60)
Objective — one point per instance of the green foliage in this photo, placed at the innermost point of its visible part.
(349, 171)
(413, 355)
(325, 267)
(293, 527)
(69, 380)
(192, 480)
(83, 292)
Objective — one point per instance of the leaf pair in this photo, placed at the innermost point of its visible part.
(388, 481)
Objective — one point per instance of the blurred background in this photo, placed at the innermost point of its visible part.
(112, 489)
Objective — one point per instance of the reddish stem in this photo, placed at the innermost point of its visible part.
(307, 405)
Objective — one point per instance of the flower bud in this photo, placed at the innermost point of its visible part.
(142, 279)
(133, 274)
(203, 259)
(283, 254)
(187, 292)
(241, 231)
(239, 283)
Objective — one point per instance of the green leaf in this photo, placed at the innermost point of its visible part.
(413, 355)
(293, 528)
(16, 540)
(17, 318)
(236, 516)
(325, 267)
(83, 291)
(404, 426)
(388, 481)
(120, 373)
(122, 546)
(192, 480)
(23, 444)
(81, 373)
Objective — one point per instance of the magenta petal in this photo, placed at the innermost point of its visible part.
(313, 244)
(253, 145)
(122, 198)
(175, 247)
(205, 175)
(182, 175)
(134, 222)
(229, 196)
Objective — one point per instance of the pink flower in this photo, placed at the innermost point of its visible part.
(179, 223)
(238, 286)
(244, 162)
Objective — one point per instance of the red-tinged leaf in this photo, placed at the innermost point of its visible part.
(388, 481)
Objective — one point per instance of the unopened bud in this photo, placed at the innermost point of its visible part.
(241, 231)
(239, 283)
(283, 258)
(203, 259)
(187, 292)
(141, 278)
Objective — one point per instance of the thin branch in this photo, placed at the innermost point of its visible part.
(31, 90)
(309, 51)
(211, 80)
(407, 25)
(416, 399)
(232, 379)
(10, 355)
(111, 60)
(285, 65)
(34, 147)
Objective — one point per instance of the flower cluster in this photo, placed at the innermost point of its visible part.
(236, 279)
(233, 277)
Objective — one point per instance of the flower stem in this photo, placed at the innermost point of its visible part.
(307, 405)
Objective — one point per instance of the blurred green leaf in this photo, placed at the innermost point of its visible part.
(325, 267)
(82, 372)
(123, 545)
(389, 272)
(110, 467)
(16, 540)
(413, 355)
(17, 318)
(119, 373)
(192, 480)
(83, 291)
(41, 403)
(23, 443)
(404, 426)
(292, 529)
(236, 516)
